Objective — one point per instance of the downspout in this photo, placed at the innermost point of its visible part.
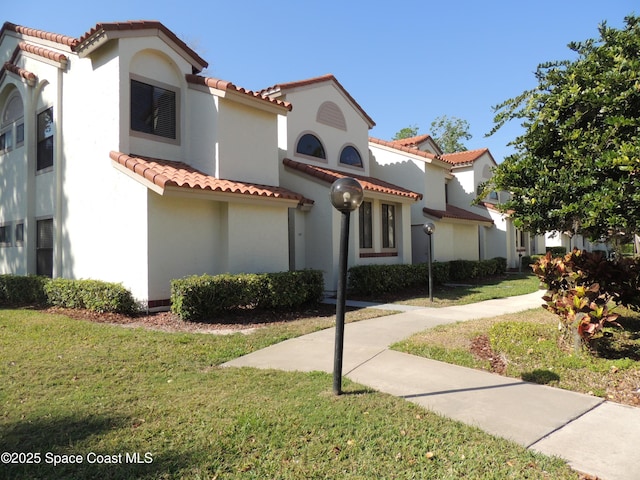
(57, 223)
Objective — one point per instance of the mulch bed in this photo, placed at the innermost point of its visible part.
(241, 321)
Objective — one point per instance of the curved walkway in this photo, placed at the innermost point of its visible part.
(594, 436)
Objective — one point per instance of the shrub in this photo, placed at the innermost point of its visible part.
(557, 251)
(581, 285)
(205, 296)
(20, 290)
(372, 280)
(92, 295)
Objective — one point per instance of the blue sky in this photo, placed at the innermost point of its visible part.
(405, 62)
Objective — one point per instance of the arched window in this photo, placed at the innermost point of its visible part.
(310, 145)
(350, 156)
(12, 114)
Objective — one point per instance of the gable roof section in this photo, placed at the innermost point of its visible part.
(452, 212)
(466, 158)
(281, 87)
(225, 86)
(161, 174)
(432, 158)
(104, 32)
(101, 33)
(368, 183)
(416, 141)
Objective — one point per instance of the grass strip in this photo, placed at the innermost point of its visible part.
(72, 387)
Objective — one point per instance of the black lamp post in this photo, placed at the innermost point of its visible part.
(429, 228)
(346, 196)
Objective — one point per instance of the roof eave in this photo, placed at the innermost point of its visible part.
(89, 44)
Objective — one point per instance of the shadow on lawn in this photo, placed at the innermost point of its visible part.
(616, 343)
(58, 439)
(540, 376)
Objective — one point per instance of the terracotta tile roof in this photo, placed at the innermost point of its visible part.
(224, 85)
(166, 173)
(368, 183)
(312, 81)
(139, 25)
(39, 51)
(100, 28)
(404, 148)
(466, 157)
(494, 207)
(413, 141)
(456, 213)
(41, 34)
(30, 77)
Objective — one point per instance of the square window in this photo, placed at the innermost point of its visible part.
(153, 110)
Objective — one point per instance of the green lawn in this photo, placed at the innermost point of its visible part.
(462, 293)
(530, 347)
(103, 392)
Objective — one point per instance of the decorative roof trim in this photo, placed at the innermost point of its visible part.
(225, 86)
(368, 183)
(416, 141)
(165, 175)
(103, 32)
(40, 34)
(430, 157)
(25, 75)
(454, 213)
(49, 56)
(466, 158)
(279, 88)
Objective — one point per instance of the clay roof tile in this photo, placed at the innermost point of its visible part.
(166, 173)
(368, 183)
(225, 85)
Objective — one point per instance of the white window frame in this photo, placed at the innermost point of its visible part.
(164, 86)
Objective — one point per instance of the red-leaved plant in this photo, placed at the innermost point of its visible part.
(581, 286)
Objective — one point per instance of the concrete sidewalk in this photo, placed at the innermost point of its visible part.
(594, 436)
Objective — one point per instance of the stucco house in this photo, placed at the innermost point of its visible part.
(461, 229)
(120, 163)
(470, 169)
(325, 137)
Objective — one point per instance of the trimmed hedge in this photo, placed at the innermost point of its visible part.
(102, 297)
(205, 296)
(95, 295)
(21, 290)
(371, 280)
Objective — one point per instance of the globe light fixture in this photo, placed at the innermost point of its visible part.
(346, 196)
(429, 229)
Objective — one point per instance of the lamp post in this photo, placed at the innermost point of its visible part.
(429, 228)
(346, 196)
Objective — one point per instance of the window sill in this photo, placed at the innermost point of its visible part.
(378, 254)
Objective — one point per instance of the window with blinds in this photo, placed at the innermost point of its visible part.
(153, 110)
(45, 139)
(44, 247)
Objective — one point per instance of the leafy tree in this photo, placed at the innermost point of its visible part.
(406, 132)
(448, 132)
(577, 165)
